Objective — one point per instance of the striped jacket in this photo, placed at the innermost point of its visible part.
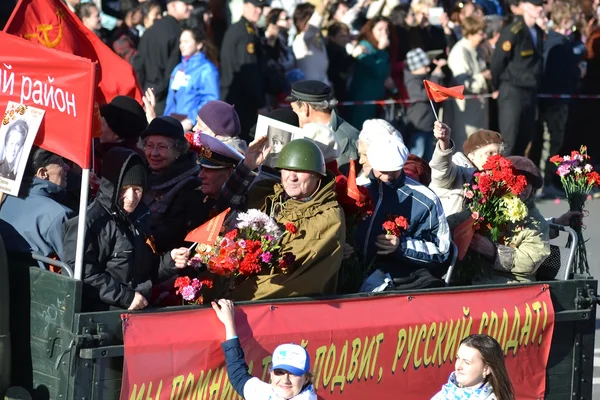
(425, 244)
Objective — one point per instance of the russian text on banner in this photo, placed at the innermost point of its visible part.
(62, 85)
(394, 346)
(51, 24)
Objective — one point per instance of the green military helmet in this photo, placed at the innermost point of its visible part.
(302, 155)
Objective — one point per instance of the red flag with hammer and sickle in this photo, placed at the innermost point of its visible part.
(51, 24)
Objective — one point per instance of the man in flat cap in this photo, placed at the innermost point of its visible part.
(516, 69)
(243, 66)
(313, 103)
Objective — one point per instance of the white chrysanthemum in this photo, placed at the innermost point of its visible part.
(258, 222)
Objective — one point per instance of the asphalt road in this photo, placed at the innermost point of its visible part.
(592, 233)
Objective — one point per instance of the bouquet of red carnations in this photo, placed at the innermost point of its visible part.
(496, 211)
(578, 178)
(251, 247)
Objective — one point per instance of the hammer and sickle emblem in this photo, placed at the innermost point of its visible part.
(42, 32)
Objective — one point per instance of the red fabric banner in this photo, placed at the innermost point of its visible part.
(439, 93)
(381, 347)
(51, 24)
(61, 84)
(207, 233)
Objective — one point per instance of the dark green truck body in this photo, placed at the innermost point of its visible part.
(61, 353)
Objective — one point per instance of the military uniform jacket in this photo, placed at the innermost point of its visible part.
(242, 66)
(517, 60)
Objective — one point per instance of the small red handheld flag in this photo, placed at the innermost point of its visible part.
(462, 236)
(351, 187)
(439, 93)
(207, 233)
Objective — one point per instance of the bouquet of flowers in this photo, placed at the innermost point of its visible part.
(578, 178)
(357, 204)
(395, 225)
(496, 210)
(251, 247)
(192, 290)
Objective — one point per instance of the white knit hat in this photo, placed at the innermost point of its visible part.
(373, 128)
(324, 137)
(387, 153)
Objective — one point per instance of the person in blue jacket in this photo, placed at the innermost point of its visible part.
(195, 80)
(33, 221)
(414, 259)
(290, 376)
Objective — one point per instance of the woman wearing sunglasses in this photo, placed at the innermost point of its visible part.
(290, 376)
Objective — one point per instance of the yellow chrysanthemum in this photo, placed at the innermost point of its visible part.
(514, 209)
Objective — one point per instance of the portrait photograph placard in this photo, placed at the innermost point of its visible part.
(278, 135)
(20, 125)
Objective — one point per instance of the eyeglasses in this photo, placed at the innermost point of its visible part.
(281, 372)
(161, 148)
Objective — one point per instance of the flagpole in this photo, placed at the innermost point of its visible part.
(433, 108)
(192, 246)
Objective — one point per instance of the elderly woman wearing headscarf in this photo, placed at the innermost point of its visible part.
(525, 249)
(407, 261)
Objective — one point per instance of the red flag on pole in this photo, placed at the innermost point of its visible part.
(61, 84)
(51, 24)
(351, 187)
(462, 236)
(207, 233)
(439, 93)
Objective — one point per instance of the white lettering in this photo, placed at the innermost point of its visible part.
(25, 95)
(36, 95)
(49, 96)
(71, 103)
(8, 81)
(59, 96)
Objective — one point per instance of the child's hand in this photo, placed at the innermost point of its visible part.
(225, 313)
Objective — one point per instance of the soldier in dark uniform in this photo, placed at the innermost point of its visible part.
(517, 73)
(242, 66)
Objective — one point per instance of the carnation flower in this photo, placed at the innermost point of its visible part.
(196, 284)
(588, 167)
(188, 293)
(266, 257)
(469, 194)
(475, 215)
(287, 260)
(291, 228)
(232, 234)
(564, 169)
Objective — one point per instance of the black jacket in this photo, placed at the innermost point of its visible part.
(242, 67)
(158, 54)
(517, 60)
(561, 72)
(117, 261)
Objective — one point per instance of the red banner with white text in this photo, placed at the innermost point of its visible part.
(61, 84)
(377, 347)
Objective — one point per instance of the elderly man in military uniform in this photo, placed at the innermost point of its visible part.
(306, 198)
(242, 66)
(218, 160)
(313, 103)
(516, 69)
